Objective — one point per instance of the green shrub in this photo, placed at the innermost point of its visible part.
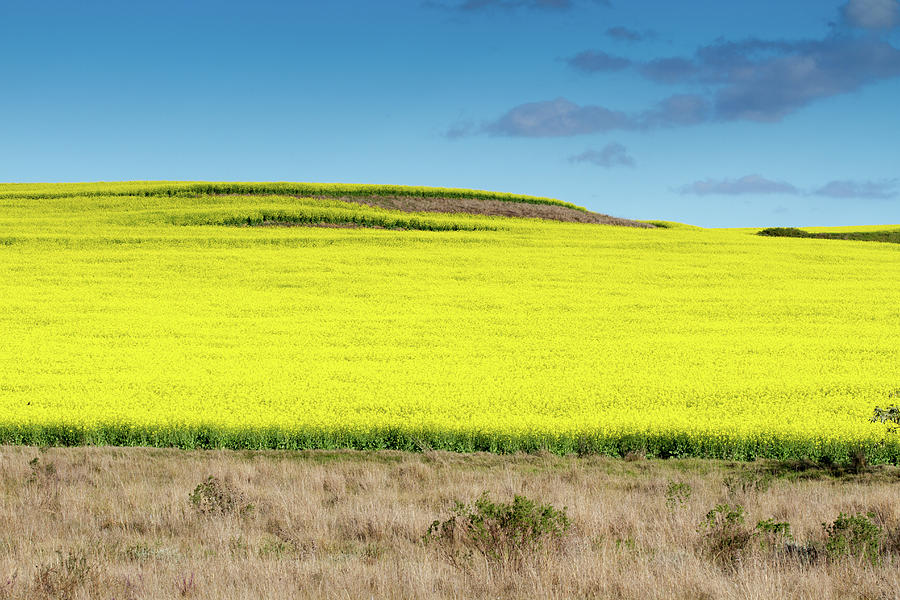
(784, 232)
(272, 546)
(500, 531)
(773, 535)
(724, 533)
(677, 493)
(747, 481)
(889, 236)
(853, 535)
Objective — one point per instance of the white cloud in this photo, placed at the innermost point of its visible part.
(611, 155)
(873, 14)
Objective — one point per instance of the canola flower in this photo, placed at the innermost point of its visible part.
(145, 313)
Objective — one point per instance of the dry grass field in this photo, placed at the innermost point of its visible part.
(114, 523)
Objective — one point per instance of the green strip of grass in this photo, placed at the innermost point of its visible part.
(892, 237)
(651, 445)
(330, 190)
(313, 217)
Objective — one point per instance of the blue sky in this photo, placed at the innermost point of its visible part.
(706, 112)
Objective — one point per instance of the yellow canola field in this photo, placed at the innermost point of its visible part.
(137, 319)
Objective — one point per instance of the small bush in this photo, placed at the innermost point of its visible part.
(501, 531)
(725, 535)
(677, 494)
(853, 535)
(272, 546)
(864, 236)
(139, 552)
(215, 496)
(784, 232)
(773, 535)
(747, 481)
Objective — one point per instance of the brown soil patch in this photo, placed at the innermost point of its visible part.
(499, 208)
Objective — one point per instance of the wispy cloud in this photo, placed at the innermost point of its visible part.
(876, 190)
(459, 130)
(559, 117)
(764, 80)
(749, 184)
(746, 80)
(669, 70)
(623, 34)
(562, 117)
(592, 61)
(872, 14)
(611, 155)
(677, 110)
(757, 184)
(548, 5)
